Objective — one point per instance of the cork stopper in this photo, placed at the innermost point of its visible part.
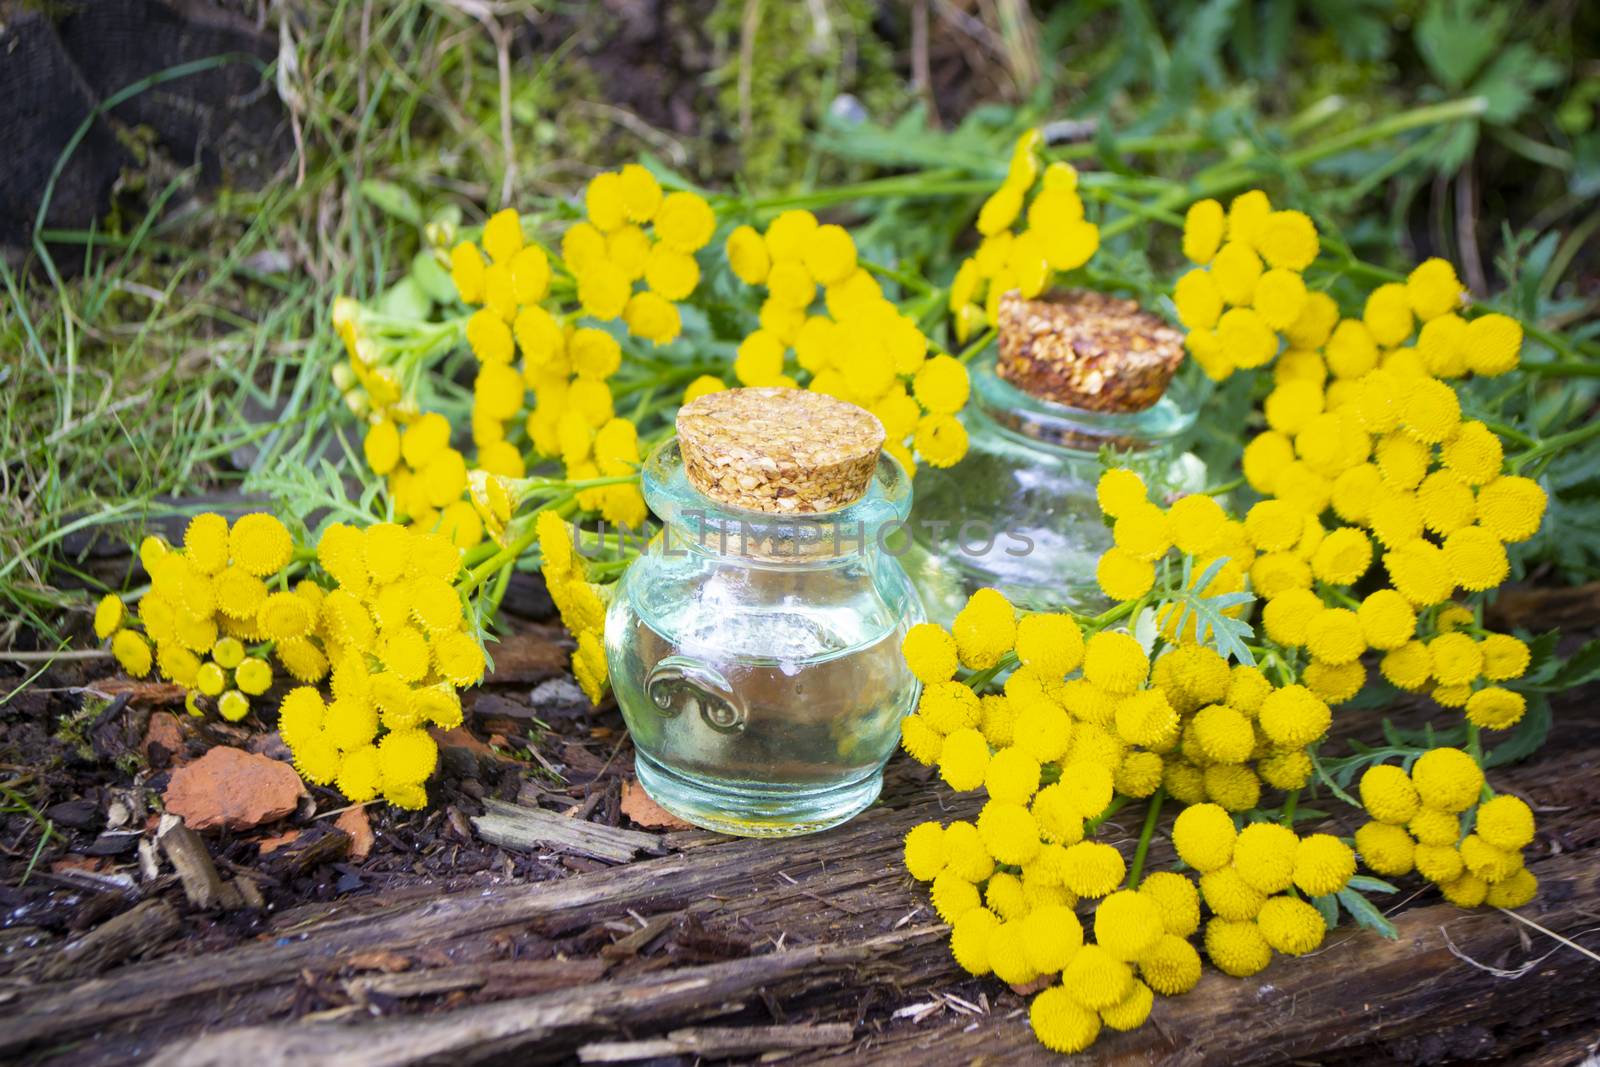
(1087, 350)
(778, 450)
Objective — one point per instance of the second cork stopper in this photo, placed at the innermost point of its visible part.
(778, 450)
(1087, 350)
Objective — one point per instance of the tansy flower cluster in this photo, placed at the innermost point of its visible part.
(1079, 722)
(571, 415)
(1083, 720)
(609, 253)
(380, 615)
(376, 379)
(582, 604)
(1144, 535)
(1055, 237)
(1254, 881)
(427, 477)
(1405, 482)
(857, 345)
(1300, 569)
(210, 613)
(411, 449)
(393, 630)
(1248, 290)
(1016, 920)
(1436, 821)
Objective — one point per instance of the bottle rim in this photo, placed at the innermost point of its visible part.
(1063, 428)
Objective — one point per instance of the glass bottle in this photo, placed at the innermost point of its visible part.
(756, 656)
(1018, 512)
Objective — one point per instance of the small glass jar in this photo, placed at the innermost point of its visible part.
(756, 656)
(1019, 513)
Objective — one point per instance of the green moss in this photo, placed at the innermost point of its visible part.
(73, 729)
(798, 67)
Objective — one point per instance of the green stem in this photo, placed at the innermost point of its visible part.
(910, 281)
(1431, 115)
(1562, 368)
(926, 183)
(1225, 487)
(1151, 815)
(977, 680)
(510, 553)
(950, 181)
(1116, 805)
(1552, 445)
(978, 345)
(1511, 433)
(1161, 142)
(499, 591)
(1111, 615)
(1241, 172)
(1290, 802)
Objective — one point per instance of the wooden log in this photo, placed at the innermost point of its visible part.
(525, 976)
(857, 853)
(1455, 983)
(136, 931)
(832, 889)
(719, 1041)
(544, 1028)
(514, 826)
(1538, 608)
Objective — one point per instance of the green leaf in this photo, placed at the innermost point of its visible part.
(1329, 907)
(1377, 694)
(1527, 737)
(974, 146)
(1369, 884)
(432, 278)
(1456, 38)
(1542, 662)
(1360, 26)
(1511, 81)
(392, 200)
(1365, 915)
(1455, 148)
(1582, 667)
(1198, 54)
(1585, 179)
(406, 299)
(1227, 634)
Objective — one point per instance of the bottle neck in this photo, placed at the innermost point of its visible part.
(697, 525)
(774, 540)
(1067, 431)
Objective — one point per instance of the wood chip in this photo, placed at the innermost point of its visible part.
(1086, 350)
(313, 848)
(513, 826)
(189, 857)
(787, 451)
(355, 823)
